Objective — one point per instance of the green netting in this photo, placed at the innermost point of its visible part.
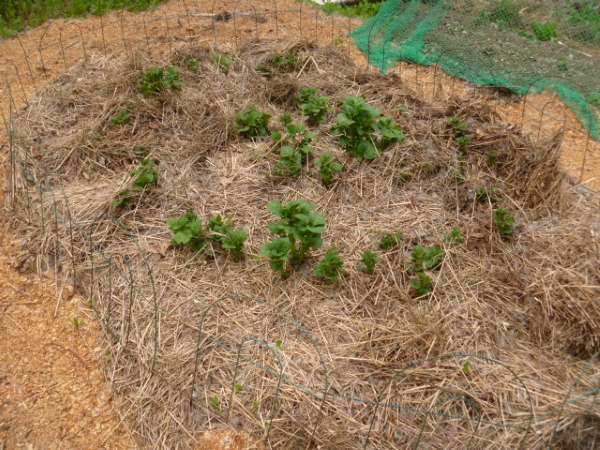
(524, 46)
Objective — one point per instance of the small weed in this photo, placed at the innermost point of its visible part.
(121, 118)
(505, 13)
(256, 407)
(467, 367)
(252, 123)
(459, 127)
(78, 323)
(338, 41)
(426, 258)
(281, 63)
(544, 31)
(314, 107)
(594, 99)
(331, 267)
(157, 79)
(422, 284)
(279, 345)
(215, 403)
(238, 388)
(391, 241)
(187, 231)
(455, 237)
(290, 162)
(369, 260)
(192, 64)
(363, 9)
(328, 168)
(483, 194)
(300, 230)
(222, 62)
(504, 221)
(363, 131)
(145, 176)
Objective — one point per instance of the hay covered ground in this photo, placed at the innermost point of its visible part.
(500, 354)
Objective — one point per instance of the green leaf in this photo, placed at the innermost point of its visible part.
(330, 268)
(504, 221)
(328, 167)
(455, 237)
(427, 258)
(391, 240)
(422, 284)
(252, 123)
(369, 261)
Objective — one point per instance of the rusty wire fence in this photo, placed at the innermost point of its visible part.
(260, 369)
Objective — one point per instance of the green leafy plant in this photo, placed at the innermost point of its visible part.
(427, 258)
(144, 176)
(252, 123)
(187, 231)
(158, 79)
(78, 323)
(363, 9)
(314, 107)
(483, 194)
(192, 64)
(362, 131)
(215, 403)
(544, 31)
(290, 162)
(391, 241)
(294, 135)
(330, 268)
(222, 62)
(467, 367)
(369, 260)
(328, 168)
(300, 229)
(229, 238)
(422, 284)
(121, 118)
(455, 237)
(459, 127)
(504, 221)
(280, 63)
(238, 388)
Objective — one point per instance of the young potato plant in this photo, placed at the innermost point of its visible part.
(252, 123)
(143, 177)
(294, 135)
(123, 117)
(280, 63)
(422, 284)
(362, 131)
(390, 241)
(290, 162)
(461, 133)
(187, 231)
(222, 62)
(228, 237)
(331, 267)
(158, 79)
(427, 258)
(314, 107)
(504, 221)
(299, 229)
(455, 237)
(369, 260)
(328, 168)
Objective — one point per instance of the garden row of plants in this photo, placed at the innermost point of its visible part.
(361, 130)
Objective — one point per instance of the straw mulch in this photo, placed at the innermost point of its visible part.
(501, 354)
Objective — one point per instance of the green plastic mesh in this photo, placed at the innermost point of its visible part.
(524, 46)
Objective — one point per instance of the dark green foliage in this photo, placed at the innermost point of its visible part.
(314, 107)
(330, 268)
(426, 258)
(504, 221)
(300, 229)
(295, 135)
(229, 238)
(192, 64)
(362, 131)
(252, 123)
(505, 13)
(422, 284)
(121, 118)
(369, 261)
(280, 63)
(328, 167)
(544, 31)
(222, 62)
(144, 176)
(290, 162)
(459, 127)
(455, 237)
(187, 231)
(363, 9)
(391, 240)
(158, 79)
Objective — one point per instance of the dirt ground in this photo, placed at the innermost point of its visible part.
(53, 392)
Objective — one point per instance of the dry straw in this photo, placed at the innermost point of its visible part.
(501, 355)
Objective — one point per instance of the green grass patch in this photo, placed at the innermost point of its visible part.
(363, 9)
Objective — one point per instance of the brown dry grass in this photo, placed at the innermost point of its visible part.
(523, 310)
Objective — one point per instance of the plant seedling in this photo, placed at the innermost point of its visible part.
(455, 237)
(422, 284)
(121, 118)
(290, 162)
(280, 63)
(222, 62)
(144, 176)
(295, 135)
(187, 231)
(192, 64)
(504, 221)
(467, 367)
(483, 194)
(390, 241)
(330, 268)
(459, 127)
(362, 131)
(369, 261)
(230, 239)
(157, 79)
(329, 168)
(427, 258)
(252, 123)
(544, 31)
(78, 323)
(215, 403)
(300, 230)
(314, 107)
(238, 388)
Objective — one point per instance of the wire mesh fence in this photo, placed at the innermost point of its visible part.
(239, 380)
